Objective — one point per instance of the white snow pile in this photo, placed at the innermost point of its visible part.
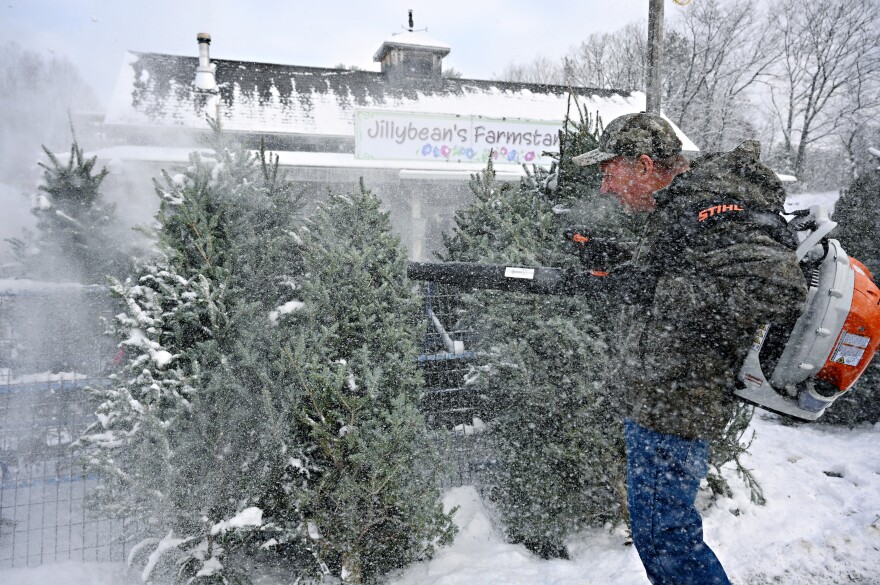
(252, 516)
(285, 309)
(68, 573)
(821, 525)
(24, 286)
(7, 377)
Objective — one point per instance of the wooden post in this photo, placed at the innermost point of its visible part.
(654, 65)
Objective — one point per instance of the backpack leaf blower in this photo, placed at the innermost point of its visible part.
(800, 371)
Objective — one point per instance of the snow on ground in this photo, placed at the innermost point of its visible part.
(6, 377)
(66, 573)
(21, 286)
(821, 525)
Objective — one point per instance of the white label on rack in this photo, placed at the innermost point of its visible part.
(856, 340)
(513, 272)
(847, 354)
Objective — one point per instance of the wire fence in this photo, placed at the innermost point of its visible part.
(51, 348)
(44, 513)
(43, 488)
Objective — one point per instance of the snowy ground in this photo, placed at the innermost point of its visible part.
(821, 525)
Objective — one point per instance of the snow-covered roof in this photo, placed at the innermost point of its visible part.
(411, 40)
(158, 90)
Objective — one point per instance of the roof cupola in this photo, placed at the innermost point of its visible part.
(412, 53)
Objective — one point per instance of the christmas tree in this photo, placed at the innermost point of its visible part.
(78, 237)
(198, 429)
(265, 409)
(558, 433)
(373, 504)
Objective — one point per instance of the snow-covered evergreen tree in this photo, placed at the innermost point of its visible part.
(265, 410)
(198, 428)
(373, 503)
(559, 434)
(77, 237)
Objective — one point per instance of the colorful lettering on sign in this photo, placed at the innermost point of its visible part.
(447, 152)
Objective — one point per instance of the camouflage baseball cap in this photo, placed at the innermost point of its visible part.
(633, 135)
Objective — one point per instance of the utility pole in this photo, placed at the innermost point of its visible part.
(654, 65)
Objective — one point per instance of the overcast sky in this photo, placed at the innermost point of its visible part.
(485, 35)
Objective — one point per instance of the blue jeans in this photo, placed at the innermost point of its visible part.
(663, 474)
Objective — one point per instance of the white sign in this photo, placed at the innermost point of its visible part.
(514, 272)
(389, 135)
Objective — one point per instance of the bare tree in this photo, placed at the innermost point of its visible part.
(613, 60)
(715, 54)
(828, 67)
(610, 60)
(860, 116)
(817, 65)
(541, 69)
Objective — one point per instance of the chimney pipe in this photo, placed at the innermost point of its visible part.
(205, 80)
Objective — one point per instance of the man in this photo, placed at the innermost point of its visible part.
(715, 266)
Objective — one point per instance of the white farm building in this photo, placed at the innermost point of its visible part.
(413, 134)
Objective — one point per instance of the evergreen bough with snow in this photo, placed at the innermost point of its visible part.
(259, 417)
(197, 426)
(78, 238)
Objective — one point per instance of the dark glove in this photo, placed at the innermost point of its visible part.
(626, 284)
(594, 254)
(635, 285)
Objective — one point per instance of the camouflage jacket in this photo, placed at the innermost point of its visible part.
(721, 274)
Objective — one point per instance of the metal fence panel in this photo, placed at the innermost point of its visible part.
(43, 487)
